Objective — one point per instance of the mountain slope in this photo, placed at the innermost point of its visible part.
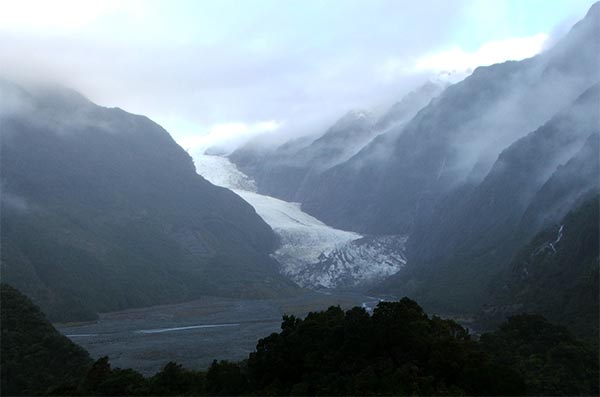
(287, 171)
(569, 185)
(476, 230)
(281, 172)
(400, 177)
(515, 178)
(563, 259)
(102, 210)
(35, 356)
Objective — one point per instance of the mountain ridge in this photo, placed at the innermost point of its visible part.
(102, 210)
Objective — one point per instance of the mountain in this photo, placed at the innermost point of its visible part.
(102, 210)
(511, 186)
(569, 185)
(476, 230)
(474, 174)
(35, 356)
(563, 259)
(280, 172)
(402, 111)
(273, 169)
(284, 172)
(402, 175)
(311, 253)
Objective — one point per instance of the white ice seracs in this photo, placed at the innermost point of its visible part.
(357, 263)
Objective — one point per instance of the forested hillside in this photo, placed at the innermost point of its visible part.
(102, 210)
(472, 235)
(34, 356)
(556, 275)
(396, 350)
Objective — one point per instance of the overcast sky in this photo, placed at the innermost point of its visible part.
(221, 71)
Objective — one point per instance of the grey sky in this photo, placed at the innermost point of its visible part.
(227, 70)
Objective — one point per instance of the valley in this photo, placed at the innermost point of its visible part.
(311, 253)
(196, 333)
(238, 212)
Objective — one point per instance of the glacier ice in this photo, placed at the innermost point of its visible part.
(311, 253)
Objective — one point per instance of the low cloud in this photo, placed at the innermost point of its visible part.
(463, 62)
(227, 136)
(193, 66)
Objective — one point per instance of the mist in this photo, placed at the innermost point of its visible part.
(258, 197)
(264, 67)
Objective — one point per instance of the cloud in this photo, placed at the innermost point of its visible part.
(60, 15)
(192, 65)
(226, 136)
(496, 51)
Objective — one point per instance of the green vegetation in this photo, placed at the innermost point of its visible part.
(547, 357)
(34, 356)
(102, 210)
(467, 241)
(556, 275)
(398, 350)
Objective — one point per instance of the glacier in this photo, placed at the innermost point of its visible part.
(311, 253)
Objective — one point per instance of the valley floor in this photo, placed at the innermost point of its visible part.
(195, 333)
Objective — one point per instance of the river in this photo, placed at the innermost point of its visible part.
(195, 333)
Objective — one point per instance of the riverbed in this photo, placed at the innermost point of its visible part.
(198, 332)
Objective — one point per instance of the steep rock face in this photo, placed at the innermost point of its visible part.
(102, 210)
(556, 275)
(400, 177)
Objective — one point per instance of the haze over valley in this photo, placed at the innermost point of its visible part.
(401, 200)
